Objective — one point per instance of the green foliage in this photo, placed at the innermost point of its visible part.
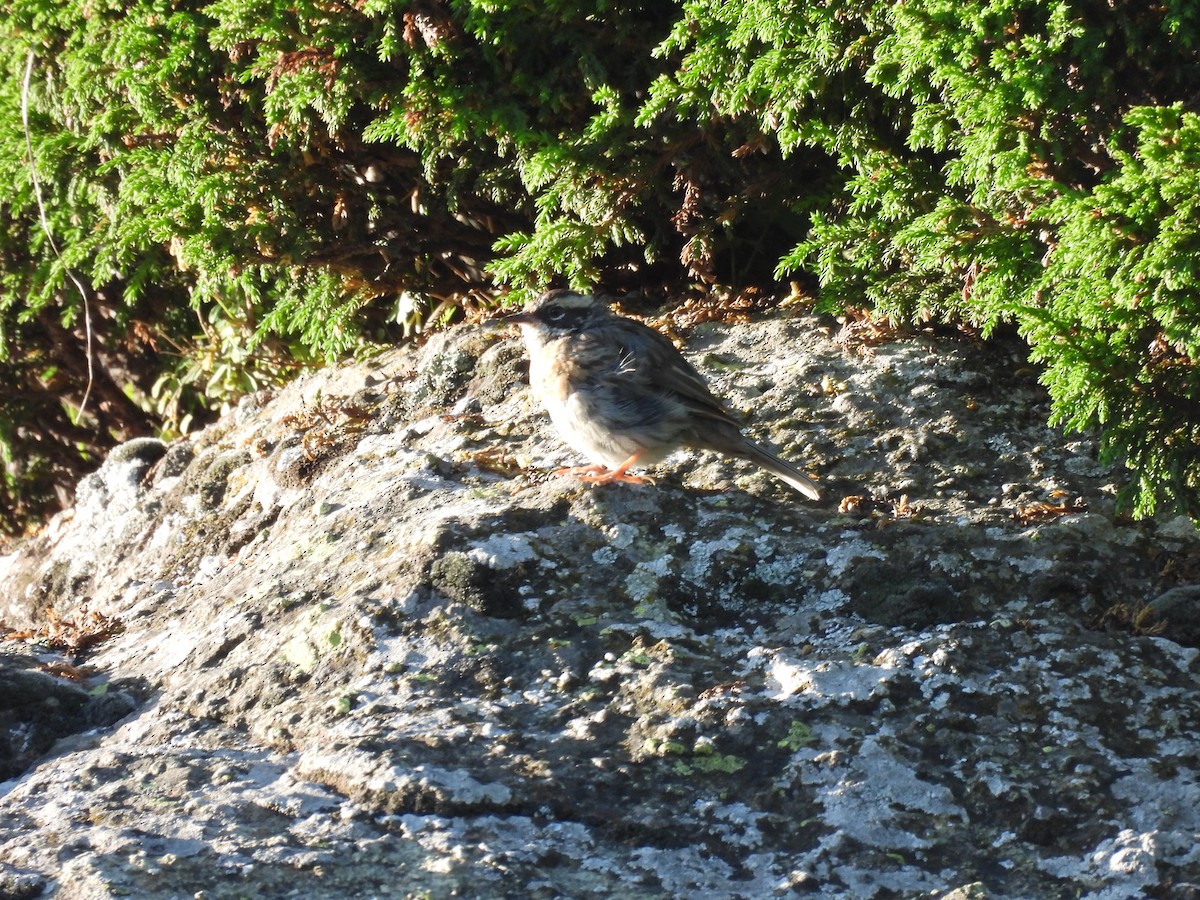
(246, 187)
(1119, 326)
(1001, 160)
(237, 183)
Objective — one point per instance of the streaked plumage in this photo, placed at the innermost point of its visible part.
(620, 394)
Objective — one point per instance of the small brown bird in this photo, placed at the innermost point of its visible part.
(621, 394)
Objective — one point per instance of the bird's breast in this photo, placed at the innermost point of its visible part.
(553, 373)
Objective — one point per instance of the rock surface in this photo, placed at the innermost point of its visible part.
(365, 651)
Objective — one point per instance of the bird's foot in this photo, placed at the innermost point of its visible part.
(597, 474)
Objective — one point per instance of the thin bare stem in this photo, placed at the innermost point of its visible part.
(37, 192)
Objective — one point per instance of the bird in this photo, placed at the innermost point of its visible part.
(621, 395)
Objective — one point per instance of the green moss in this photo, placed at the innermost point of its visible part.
(709, 764)
(799, 735)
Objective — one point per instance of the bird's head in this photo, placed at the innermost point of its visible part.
(560, 312)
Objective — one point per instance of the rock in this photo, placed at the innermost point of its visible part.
(374, 653)
(37, 709)
(1177, 613)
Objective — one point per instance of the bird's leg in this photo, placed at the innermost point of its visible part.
(604, 475)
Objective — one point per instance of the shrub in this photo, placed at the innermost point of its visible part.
(1004, 161)
(1116, 317)
(302, 177)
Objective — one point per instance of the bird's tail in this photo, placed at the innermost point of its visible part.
(781, 469)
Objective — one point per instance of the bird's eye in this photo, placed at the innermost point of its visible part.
(554, 314)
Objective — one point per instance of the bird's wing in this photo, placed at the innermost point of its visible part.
(649, 361)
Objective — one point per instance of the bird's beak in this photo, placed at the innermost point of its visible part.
(521, 318)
